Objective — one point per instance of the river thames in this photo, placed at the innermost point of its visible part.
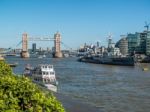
(109, 88)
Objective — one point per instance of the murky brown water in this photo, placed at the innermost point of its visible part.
(110, 88)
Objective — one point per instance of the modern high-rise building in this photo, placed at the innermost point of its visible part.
(137, 43)
(142, 46)
(148, 43)
(34, 47)
(133, 42)
(111, 44)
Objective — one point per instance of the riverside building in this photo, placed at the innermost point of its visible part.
(122, 44)
(133, 42)
(138, 43)
(34, 47)
(148, 44)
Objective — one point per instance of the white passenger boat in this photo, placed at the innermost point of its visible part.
(41, 56)
(1, 58)
(43, 75)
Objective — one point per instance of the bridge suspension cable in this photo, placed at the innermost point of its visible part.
(66, 46)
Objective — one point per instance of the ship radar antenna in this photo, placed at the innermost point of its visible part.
(109, 37)
(109, 40)
(147, 25)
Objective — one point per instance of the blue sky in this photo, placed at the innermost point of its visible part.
(78, 21)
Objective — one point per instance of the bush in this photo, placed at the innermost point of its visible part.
(19, 94)
(5, 69)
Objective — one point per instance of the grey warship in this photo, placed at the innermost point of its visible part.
(124, 61)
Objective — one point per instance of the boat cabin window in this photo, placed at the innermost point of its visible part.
(37, 79)
(51, 73)
(45, 73)
(50, 66)
(44, 66)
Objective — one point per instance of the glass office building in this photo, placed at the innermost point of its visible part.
(133, 42)
(139, 43)
(148, 43)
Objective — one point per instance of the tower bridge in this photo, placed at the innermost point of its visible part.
(56, 39)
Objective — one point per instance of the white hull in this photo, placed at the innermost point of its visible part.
(51, 87)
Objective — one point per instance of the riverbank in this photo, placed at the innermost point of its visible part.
(74, 105)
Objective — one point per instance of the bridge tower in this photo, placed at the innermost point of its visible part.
(24, 52)
(57, 48)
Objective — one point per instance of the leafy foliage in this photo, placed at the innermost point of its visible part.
(19, 94)
(5, 69)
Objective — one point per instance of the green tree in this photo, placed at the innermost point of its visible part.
(5, 69)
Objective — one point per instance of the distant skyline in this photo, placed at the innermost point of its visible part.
(78, 21)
